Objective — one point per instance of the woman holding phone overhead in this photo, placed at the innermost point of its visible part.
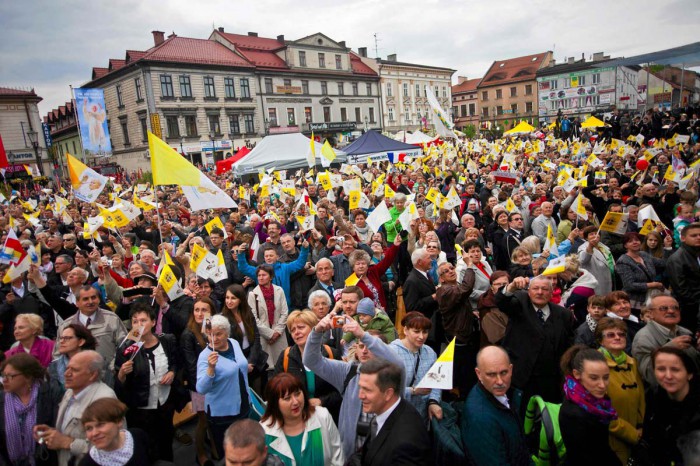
(222, 377)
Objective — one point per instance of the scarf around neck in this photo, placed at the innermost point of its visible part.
(600, 408)
(592, 324)
(118, 457)
(619, 360)
(268, 293)
(19, 421)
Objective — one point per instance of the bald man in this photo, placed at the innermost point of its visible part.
(491, 429)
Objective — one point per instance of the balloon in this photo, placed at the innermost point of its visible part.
(642, 164)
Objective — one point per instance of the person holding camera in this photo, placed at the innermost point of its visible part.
(321, 393)
(353, 424)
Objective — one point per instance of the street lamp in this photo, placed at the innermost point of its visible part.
(182, 150)
(366, 122)
(32, 135)
(212, 136)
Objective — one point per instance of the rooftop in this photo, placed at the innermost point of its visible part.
(515, 69)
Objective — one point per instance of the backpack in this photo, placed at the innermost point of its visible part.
(285, 361)
(542, 426)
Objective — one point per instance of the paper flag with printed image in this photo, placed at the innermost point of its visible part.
(440, 374)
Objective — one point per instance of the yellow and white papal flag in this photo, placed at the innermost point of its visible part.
(440, 374)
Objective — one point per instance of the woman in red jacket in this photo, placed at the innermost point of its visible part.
(370, 275)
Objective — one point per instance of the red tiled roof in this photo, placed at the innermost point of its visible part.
(133, 55)
(11, 91)
(466, 86)
(252, 42)
(99, 72)
(263, 59)
(188, 50)
(513, 70)
(360, 67)
(115, 64)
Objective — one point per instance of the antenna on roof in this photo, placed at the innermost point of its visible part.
(376, 46)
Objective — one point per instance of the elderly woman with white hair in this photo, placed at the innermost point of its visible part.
(222, 377)
(370, 275)
(320, 304)
(577, 286)
(28, 332)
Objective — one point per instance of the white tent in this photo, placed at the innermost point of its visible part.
(419, 137)
(283, 152)
(401, 135)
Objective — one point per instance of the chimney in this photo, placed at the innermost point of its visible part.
(362, 51)
(342, 44)
(552, 62)
(571, 60)
(391, 57)
(280, 38)
(461, 79)
(253, 34)
(172, 35)
(598, 56)
(583, 56)
(158, 37)
(221, 29)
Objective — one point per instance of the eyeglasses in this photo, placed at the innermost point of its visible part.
(431, 247)
(615, 334)
(516, 220)
(65, 338)
(667, 308)
(9, 376)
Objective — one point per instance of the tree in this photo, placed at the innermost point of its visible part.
(470, 131)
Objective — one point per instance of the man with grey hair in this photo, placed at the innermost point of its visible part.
(538, 334)
(83, 386)
(419, 295)
(324, 279)
(244, 444)
(543, 221)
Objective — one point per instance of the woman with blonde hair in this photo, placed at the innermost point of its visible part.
(28, 332)
(577, 286)
(321, 393)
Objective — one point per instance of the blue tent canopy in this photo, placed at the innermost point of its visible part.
(373, 146)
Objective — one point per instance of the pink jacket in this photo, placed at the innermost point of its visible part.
(41, 349)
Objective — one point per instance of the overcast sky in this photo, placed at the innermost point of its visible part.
(52, 44)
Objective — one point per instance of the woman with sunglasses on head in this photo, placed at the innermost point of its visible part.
(626, 389)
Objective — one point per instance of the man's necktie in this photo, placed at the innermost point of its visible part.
(89, 321)
(540, 314)
(373, 427)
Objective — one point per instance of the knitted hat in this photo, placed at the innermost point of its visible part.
(366, 306)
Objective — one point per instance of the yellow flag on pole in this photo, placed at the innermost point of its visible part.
(327, 151)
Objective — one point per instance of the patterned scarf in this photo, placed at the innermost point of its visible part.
(592, 323)
(268, 293)
(118, 457)
(19, 420)
(600, 408)
(433, 272)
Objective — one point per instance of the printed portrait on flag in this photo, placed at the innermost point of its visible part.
(92, 118)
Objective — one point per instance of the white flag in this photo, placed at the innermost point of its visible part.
(379, 216)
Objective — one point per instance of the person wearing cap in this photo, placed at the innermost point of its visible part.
(370, 318)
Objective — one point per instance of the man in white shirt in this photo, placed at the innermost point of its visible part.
(397, 433)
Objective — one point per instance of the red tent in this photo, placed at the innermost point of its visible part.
(222, 166)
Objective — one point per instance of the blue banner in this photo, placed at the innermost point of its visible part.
(47, 135)
(92, 120)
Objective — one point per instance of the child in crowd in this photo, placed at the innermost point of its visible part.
(585, 333)
(369, 319)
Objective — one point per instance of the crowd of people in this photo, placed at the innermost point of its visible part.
(316, 347)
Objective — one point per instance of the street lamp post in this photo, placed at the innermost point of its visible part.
(32, 135)
(366, 122)
(182, 150)
(212, 136)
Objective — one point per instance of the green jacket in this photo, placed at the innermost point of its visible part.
(380, 322)
(392, 227)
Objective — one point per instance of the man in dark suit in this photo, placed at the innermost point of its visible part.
(515, 233)
(538, 334)
(324, 282)
(397, 433)
(419, 295)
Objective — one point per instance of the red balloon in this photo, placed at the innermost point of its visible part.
(642, 164)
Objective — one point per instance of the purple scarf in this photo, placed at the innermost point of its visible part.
(20, 443)
(600, 408)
